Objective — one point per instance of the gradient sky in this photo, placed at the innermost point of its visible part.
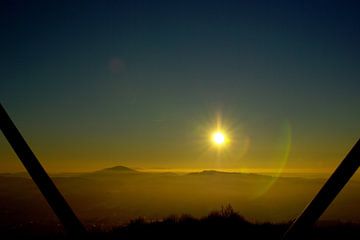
(93, 84)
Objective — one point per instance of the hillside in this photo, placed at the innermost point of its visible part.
(116, 195)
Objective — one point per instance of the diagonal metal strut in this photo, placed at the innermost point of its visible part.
(47, 187)
(326, 195)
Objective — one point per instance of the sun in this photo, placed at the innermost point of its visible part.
(218, 138)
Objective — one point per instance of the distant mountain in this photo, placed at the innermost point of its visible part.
(222, 173)
(119, 194)
(119, 169)
(208, 172)
(116, 171)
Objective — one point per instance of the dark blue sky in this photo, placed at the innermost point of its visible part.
(96, 83)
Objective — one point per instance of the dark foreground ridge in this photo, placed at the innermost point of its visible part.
(223, 224)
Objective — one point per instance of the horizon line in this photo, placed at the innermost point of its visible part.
(190, 170)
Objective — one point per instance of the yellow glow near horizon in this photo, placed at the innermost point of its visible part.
(218, 138)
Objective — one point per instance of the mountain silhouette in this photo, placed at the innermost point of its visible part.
(119, 194)
(120, 169)
(223, 173)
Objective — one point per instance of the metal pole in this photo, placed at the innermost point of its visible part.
(326, 195)
(54, 198)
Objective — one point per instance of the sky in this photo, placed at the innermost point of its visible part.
(93, 84)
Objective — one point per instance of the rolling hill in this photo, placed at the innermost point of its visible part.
(116, 195)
